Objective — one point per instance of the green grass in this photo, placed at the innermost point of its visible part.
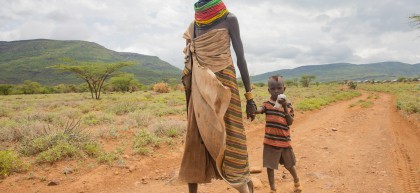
(307, 99)
(362, 103)
(407, 94)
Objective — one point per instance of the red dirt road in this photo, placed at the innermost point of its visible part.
(372, 149)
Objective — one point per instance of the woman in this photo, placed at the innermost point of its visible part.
(215, 144)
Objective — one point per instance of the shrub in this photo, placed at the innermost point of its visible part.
(240, 84)
(169, 128)
(142, 118)
(107, 158)
(179, 87)
(59, 151)
(259, 84)
(123, 108)
(53, 145)
(161, 87)
(92, 149)
(352, 85)
(10, 162)
(142, 140)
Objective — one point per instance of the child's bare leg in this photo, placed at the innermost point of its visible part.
(270, 173)
(292, 171)
(192, 187)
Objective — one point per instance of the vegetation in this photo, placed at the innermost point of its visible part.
(35, 127)
(161, 87)
(306, 80)
(10, 162)
(94, 74)
(50, 146)
(30, 59)
(345, 71)
(407, 94)
(415, 19)
(124, 83)
(352, 85)
(306, 99)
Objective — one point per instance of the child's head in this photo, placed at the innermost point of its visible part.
(276, 86)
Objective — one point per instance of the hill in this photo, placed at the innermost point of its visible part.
(346, 71)
(29, 59)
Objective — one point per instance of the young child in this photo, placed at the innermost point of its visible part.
(277, 147)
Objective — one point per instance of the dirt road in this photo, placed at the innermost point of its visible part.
(338, 149)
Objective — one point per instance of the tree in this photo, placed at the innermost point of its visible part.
(30, 87)
(416, 20)
(305, 80)
(5, 89)
(93, 73)
(124, 82)
(290, 83)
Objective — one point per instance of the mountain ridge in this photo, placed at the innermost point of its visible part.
(347, 71)
(28, 60)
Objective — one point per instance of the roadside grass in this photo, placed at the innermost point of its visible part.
(362, 103)
(407, 94)
(309, 98)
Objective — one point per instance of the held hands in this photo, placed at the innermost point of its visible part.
(251, 109)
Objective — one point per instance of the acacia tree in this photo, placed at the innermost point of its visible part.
(416, 20)
(93, 73)
(305, 80)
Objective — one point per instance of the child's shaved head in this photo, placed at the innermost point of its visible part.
(276, 78)
(276, 86)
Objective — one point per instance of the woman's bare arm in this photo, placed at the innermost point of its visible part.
(233, 26)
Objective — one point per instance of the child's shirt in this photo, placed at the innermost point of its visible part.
(277, 131)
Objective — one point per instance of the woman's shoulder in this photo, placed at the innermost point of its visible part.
(231, 17)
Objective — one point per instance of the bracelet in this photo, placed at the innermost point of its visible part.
(248, 96)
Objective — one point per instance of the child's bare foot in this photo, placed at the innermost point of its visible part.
(298, 188)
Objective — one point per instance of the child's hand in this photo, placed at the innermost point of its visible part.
(281, 101)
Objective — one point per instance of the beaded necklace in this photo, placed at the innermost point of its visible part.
(210, 13)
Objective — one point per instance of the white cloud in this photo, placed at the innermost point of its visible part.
(276, 34)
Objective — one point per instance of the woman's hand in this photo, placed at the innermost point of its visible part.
(251, 109)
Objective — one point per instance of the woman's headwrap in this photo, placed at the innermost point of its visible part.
(209, 12)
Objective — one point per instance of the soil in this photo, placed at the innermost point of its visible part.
(338, 149)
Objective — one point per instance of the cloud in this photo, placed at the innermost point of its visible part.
(276, 34)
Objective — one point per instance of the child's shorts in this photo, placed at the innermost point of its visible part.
(272, 156)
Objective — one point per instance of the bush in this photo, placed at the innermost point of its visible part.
(10, 162)
(179, 87)
(142, 140)
(54, 145)
(107, 158)
(169, 128)
(352, 85)
(59, 151)
(259, 84)
(5, 89)
(161, 87)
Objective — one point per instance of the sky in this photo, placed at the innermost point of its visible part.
(276, 34)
